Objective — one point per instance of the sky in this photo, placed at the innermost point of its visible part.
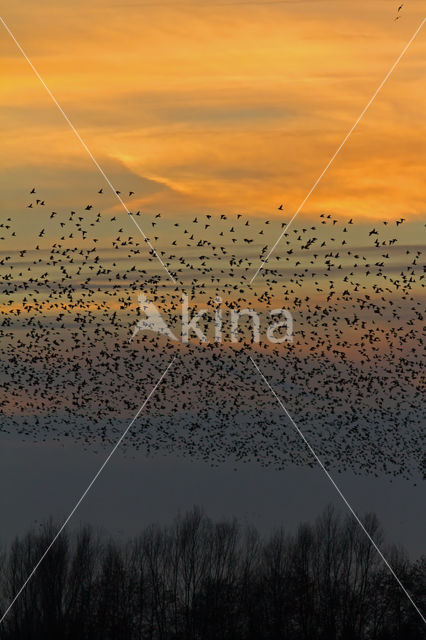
(44, 481)
(219, 105)
(209, 106)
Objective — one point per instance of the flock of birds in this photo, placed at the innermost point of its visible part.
(351, 377)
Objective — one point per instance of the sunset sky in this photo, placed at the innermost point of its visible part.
(217, 105)
(209, 107)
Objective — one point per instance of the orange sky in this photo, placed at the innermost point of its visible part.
(217, 105)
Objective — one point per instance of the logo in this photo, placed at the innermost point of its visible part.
(225, 326)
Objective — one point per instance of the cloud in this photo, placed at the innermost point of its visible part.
(74, 185)
(220, 107)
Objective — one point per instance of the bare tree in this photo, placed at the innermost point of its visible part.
(200, 580)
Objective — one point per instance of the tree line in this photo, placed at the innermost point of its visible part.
(196, 579)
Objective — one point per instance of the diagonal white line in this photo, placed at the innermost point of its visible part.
(86, 491)
(101, 171)
(347, 136)
(359, 521)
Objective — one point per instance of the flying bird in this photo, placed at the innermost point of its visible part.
(351, 373)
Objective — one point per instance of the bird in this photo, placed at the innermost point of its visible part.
(351, 376)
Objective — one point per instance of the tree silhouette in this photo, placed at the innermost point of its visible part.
(200, 580)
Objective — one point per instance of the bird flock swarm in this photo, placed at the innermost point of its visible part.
(351, 377)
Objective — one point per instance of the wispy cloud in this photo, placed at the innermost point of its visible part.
(235, 108)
